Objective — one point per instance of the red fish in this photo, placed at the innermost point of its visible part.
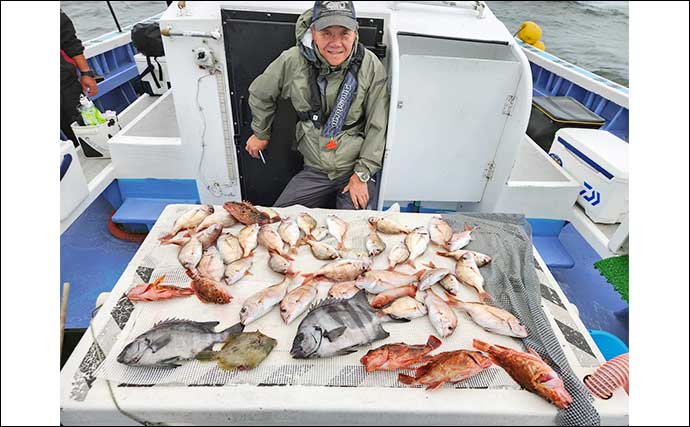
(530, 371)
(399, 355)
(208, 290)
(386, 297)
(247, 214)
(449, 366)
(155, 291)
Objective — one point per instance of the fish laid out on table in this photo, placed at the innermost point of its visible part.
(449, 366)
(337, 228)
(247, 214)
(155, 291)
(190, 219)
(390, 357)
(241, 351)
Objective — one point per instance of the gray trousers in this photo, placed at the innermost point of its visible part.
(313, 189)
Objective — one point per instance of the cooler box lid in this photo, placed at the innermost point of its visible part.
(566, 110)
(602, 150)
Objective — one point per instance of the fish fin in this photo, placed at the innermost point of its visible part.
(159, 280)
(433, 342)
(452, 299)
(210, 326)
(248, 273)
(485, 296)
(420, 273)
(169, 362)
(469, 228)
(292, 274)
(445, 254)
(436, 385)
(160, 343)
(430, 264)
(406, 379)
(168, 365)
(207, 356)
(481, 345)
(391, 268)
(346, 350)
(236, 328)
(395, 319)
(411, 263)
(334, 334)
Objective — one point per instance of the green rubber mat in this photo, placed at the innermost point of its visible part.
(615, 270)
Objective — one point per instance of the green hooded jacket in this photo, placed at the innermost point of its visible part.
(359, 148)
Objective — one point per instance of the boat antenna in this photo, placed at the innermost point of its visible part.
(112, 12)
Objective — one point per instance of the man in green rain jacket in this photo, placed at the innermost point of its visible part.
(339, 90)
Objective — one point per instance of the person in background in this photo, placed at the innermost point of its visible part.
(72, 59)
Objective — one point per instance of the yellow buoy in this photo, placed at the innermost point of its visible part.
(529, 32)
(539, 45)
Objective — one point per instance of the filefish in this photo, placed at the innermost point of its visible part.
(386, 297)
(480, 258)
(281, 264)
(221, 217)
(337, 228)
(338, 326)
(374, 244)
(208, 290)
(441, 316)
(323, 251)
(449, 366)
(530, 371)
(406, 308)
(388, 226)
(306, 223)
(390, 357)
(191, 253)
(460, 239)
(270, 239)
(237, 270)
(263, 301)
(172, 341)
(155, 291)
(493, 319)
(230, 248)
(246, 213)
(439, 231)
(342, 270)
(297, 301)
(211, 264)
(467, 272)
(241, 351)
(398, 255)
(417, 242)
(290, 233)
(343, 290)
(319, 233)
(189, 219)
(249, 239)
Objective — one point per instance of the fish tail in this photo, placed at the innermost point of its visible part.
(420, 273)
(391, 268)
(192, 273)
(445, 254)
(236, 328)
(481, 345)
(406, 379)
(292, 274)
(433, 342)
(485, 296)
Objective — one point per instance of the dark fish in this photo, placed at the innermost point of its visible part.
(243, 351)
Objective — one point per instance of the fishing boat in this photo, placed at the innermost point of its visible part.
(464, 97)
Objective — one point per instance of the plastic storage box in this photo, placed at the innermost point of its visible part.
(599, 160)
(94, 139)
(551, 113)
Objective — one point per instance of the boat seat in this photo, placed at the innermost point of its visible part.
(144, 211)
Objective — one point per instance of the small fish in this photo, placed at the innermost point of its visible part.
(272, 214)
(343, 290)
(246, 213)
(221, 217)
(342, 270)
(241, 351)
(270, 239)
(263, 301)
(460, 239)
(432, 276)
(374, 244)
(467, 272)
(449, 366)
(211, 265)
(319, 233)
(297, 301)
(530, 371)
(249, 239)
(417, 241)
(155, 291)
(290, 233)
(230, 248)
(451, 284)
(208, 290)
(439, 231)
(376, 287)
(337, 327)
(406, 308)
(323, 251)
(441, 316)
(493, 319)
(281, 264)
(390, 357)
(209, 235)
(398, 255)
(480, 258)
(171, 341)
(354, 254)
(306, 223)
(386, 297)
(237, 270)
(189, 219)
(388, 226)
(191, 253)
(371, 279)
(337, 228)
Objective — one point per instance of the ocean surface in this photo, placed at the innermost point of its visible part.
(590, 34)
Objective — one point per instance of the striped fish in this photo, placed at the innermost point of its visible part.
(337, 327)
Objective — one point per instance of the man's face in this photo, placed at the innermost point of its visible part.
(335, 43)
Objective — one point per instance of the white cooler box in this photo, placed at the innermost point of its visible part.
(599, 160)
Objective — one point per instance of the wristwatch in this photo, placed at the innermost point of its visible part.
(87, 73)
(363, 176)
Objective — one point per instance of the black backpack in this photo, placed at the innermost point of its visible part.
(147, 39)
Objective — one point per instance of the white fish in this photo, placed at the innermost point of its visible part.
(375, 287)
(480, 258)
(297, 301)
(237, 270)
(280, 264)
(451, 284)
(397, 255)
(189, 219)
(323, 251)
(290, 233)
(432, 276)
(460, 239)
(354, 254)
(388, 226)
(439, 231)
(374, 244)
(263, 301)
(337, 228)
(221, 217)
(306, 223)
(211, 264)
(468, 274)
(405, 308)
(493, 319)
(249, 239)
(230, 248)
(270, 239)
(370, 278)
(273, 215)
(417, 242)
(342, 270)
(343, 290)
(319, 233)
(441, 316)
(191, 253)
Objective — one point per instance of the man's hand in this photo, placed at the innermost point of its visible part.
(89, 85)
(255, 144)
(359, 192)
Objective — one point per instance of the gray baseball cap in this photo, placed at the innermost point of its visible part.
(330, 13)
